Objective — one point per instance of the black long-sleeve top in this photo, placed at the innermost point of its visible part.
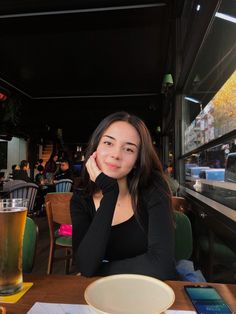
(141, 246)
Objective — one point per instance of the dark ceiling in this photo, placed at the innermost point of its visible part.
(70, 63)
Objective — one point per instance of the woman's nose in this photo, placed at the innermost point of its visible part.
(116, 153)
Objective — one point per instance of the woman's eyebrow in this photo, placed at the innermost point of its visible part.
(129, 143)
(109, 136)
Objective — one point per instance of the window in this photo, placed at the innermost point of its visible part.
(209, 112)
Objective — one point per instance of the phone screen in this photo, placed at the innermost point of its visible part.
(207, 300)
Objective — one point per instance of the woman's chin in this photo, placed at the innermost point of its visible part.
(110, 174)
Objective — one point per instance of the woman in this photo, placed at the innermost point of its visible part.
(51, 166)
(122, 219)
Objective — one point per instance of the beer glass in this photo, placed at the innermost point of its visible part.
(12, 225)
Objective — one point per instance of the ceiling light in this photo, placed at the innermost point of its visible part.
(167, 83)
(198, 7)
(167, 80)
(226, 17)
(192, 100)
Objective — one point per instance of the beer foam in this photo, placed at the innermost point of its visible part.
(12, 209)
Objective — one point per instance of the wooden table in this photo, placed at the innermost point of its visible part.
(70, 289)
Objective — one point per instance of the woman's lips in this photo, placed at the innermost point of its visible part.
(112, 166)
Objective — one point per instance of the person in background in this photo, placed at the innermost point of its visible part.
(64, 171)
(173, 184)
(39, 178)
(42, 191)
(39, 162)
(51, 167)
(122, 218)
(13, 168)
(22, 173)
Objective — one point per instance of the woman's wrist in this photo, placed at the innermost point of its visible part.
(106, 183)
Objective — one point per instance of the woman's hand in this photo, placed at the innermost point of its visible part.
(92, 167)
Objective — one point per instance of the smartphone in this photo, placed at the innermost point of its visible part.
(207, 300)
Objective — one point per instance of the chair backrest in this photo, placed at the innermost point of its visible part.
(9, 185)
(24, 190)
(29, 245)
(64, 185)
(58, 207)
(183, 236)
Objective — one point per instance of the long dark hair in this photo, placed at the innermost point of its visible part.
(148, 169)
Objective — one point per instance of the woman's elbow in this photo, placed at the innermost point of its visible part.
(85, 268)
(163, 269)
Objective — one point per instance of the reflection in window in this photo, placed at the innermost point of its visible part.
(216, 119)
(212, 172)
(209, 112)
(209, 102)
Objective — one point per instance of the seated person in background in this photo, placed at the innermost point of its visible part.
(42, 191)
(22, 174)
(40, 162)
(64, 171)
(122, 219)
(13, 168)
(39, 178)
(173, 184)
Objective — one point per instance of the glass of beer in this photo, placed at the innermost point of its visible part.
(13, 214)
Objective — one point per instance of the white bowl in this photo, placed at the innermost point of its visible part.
(129, 294)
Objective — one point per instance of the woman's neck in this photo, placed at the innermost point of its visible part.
(123, 188)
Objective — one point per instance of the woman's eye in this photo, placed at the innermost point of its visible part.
(107, 142)
(129, 150)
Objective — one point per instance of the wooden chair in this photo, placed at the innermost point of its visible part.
(29, 245)
(64, 185)
(180, 204)
(58, 212)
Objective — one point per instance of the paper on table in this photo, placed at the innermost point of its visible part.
(179, 312)
(54, 308)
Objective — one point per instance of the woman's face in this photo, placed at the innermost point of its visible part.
(118, 149)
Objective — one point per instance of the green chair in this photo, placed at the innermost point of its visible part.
(183, 236)
(29, 245)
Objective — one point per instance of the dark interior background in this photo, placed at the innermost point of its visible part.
(68, 65)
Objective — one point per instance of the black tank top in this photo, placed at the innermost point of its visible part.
(127, 239)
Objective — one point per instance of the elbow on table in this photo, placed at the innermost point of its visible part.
(87, 273)
(163, 269)
(86, 269)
